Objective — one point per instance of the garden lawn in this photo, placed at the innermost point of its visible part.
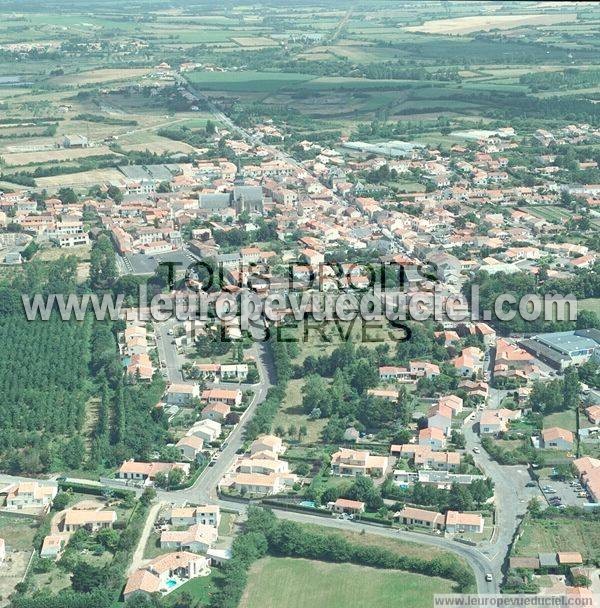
(298, 583)
(199, 588)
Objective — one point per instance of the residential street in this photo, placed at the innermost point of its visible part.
(510, 494)
(204, 488)
(167, 352)
(477, 559)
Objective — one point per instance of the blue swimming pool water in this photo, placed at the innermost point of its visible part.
(171, 583)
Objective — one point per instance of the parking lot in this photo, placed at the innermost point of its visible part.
(563, 490)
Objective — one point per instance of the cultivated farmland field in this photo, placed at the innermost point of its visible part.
(246, 81)
(466, 25)
(560, 534)
(299, 583)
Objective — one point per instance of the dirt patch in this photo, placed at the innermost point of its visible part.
(12, 572)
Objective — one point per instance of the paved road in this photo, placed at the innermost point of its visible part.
(511, 495)
(475, 558)
(167, 352)
(204, 488)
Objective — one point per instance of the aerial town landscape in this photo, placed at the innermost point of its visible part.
(299, 303)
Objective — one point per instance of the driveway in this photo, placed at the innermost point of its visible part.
(137, 560)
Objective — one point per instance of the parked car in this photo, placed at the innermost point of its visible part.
(488, 578)
(530, 484)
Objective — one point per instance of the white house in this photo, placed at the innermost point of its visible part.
(30, 495)
(197, 538)
(208, 430)
(208, 515)
(181, 394)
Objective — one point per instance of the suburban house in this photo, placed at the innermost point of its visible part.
(410, 516)
(346, 462)
(256, 483)
(423, 369)
(433, 438)
(439, 461)
(588, 470)
(452, 522)
(30, 495)
(382, 393)
(207, 430)
(190, 447)
(423, 456)
(182, 394)
(232, 397)
(267, 443)
(147, 471)
(154, 577)
(257, 464)
(88, 519)
(389, 373)
(260, 471)
(440, 417)
(593, 414)
(463, 522)
(216, 411)
(208, 515)
(237, 372)
(198, 538)
(493, 422)
(453, 402)
(557, 438)
(343, 505)
(469, 362)
(52, 546)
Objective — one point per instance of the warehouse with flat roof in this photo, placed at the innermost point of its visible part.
(564, 348)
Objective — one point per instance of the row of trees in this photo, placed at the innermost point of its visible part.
(263, 534)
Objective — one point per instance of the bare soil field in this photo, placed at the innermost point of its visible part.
(44, 156)
(103, 75)
(82, 252)
(159, 146)
(466, 25)
(254, 41)
(11, 573)
(85, 179)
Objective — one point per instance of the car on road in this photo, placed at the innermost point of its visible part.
(530, 484)
(476, 450)
(489, 578)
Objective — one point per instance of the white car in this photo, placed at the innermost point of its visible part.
(489, 578)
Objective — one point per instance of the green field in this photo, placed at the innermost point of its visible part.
(250, 81)
(592, 304)
(299, 583)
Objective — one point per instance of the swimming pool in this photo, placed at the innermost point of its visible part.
(171, 583)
